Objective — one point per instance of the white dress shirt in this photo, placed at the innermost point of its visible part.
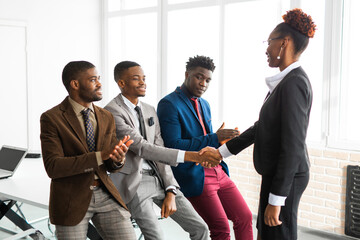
(273, 81)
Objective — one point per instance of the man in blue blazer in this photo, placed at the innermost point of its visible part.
(185, 120)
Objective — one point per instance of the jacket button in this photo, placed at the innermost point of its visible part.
(92, 188)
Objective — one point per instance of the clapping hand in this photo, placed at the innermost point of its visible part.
(120, 150)
(225, 134)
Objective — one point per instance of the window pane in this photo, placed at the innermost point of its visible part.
(134, 38)
(114, 5)
(182, 1)
(133, 4)
(312, 62)
(349, 94)
(193, 32)
(245, 62)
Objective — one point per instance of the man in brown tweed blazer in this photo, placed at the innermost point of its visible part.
(80, 187)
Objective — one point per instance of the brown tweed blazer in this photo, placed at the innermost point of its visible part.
(69, 163)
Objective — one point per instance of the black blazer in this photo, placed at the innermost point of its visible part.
(279, 135)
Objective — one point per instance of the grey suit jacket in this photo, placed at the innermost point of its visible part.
(128, 179)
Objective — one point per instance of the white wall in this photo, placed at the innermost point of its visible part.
(13, 55)
(58, 31)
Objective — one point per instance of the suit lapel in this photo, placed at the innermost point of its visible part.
(190, 106)
(188, 103)
(100, 128)
(147, 115)
(73, 121)
(119, 101)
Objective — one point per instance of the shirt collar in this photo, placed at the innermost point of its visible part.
(78, 108)
(187, 92)
(130, 104)
(273, 81)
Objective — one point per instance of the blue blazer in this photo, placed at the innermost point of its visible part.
(181, 129)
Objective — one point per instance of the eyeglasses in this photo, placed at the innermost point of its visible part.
(270, 39)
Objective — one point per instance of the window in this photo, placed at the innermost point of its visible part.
(195, 34)
(313, 64)
(162, 35)
(245, 63)
(344, 124)
(181, 1)
(134, 38)
(117, 5)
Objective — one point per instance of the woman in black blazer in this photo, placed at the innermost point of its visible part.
(280, 152)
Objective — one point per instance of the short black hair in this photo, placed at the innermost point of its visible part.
(121, 67)
(200, 61)
(72, 69)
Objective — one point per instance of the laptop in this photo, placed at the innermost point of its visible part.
(10, 158)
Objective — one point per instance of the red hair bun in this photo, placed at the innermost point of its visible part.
(300, 21)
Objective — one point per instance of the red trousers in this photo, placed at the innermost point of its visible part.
(220, 201)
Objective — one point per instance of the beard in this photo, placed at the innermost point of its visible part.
(88, 96)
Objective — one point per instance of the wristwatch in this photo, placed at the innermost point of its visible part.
(172, 191)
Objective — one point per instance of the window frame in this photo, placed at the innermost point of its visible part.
(332, 53)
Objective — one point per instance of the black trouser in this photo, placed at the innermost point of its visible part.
(288, 215)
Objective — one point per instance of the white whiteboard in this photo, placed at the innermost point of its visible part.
(13, 87)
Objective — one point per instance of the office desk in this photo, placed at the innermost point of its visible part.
(30, 184)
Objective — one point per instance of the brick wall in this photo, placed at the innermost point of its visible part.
(322, 205)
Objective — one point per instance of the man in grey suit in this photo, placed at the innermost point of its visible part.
(147, 177)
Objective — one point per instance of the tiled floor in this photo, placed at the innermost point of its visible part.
(171, 230)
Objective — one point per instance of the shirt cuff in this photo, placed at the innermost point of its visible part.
(98, 158)
(224, 151)
(170, 187)
(180, 157)
(276, 200)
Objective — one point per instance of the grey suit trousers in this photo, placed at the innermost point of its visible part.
(111, 220)
(141, 209)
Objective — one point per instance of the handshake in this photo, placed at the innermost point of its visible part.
(207, 157)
